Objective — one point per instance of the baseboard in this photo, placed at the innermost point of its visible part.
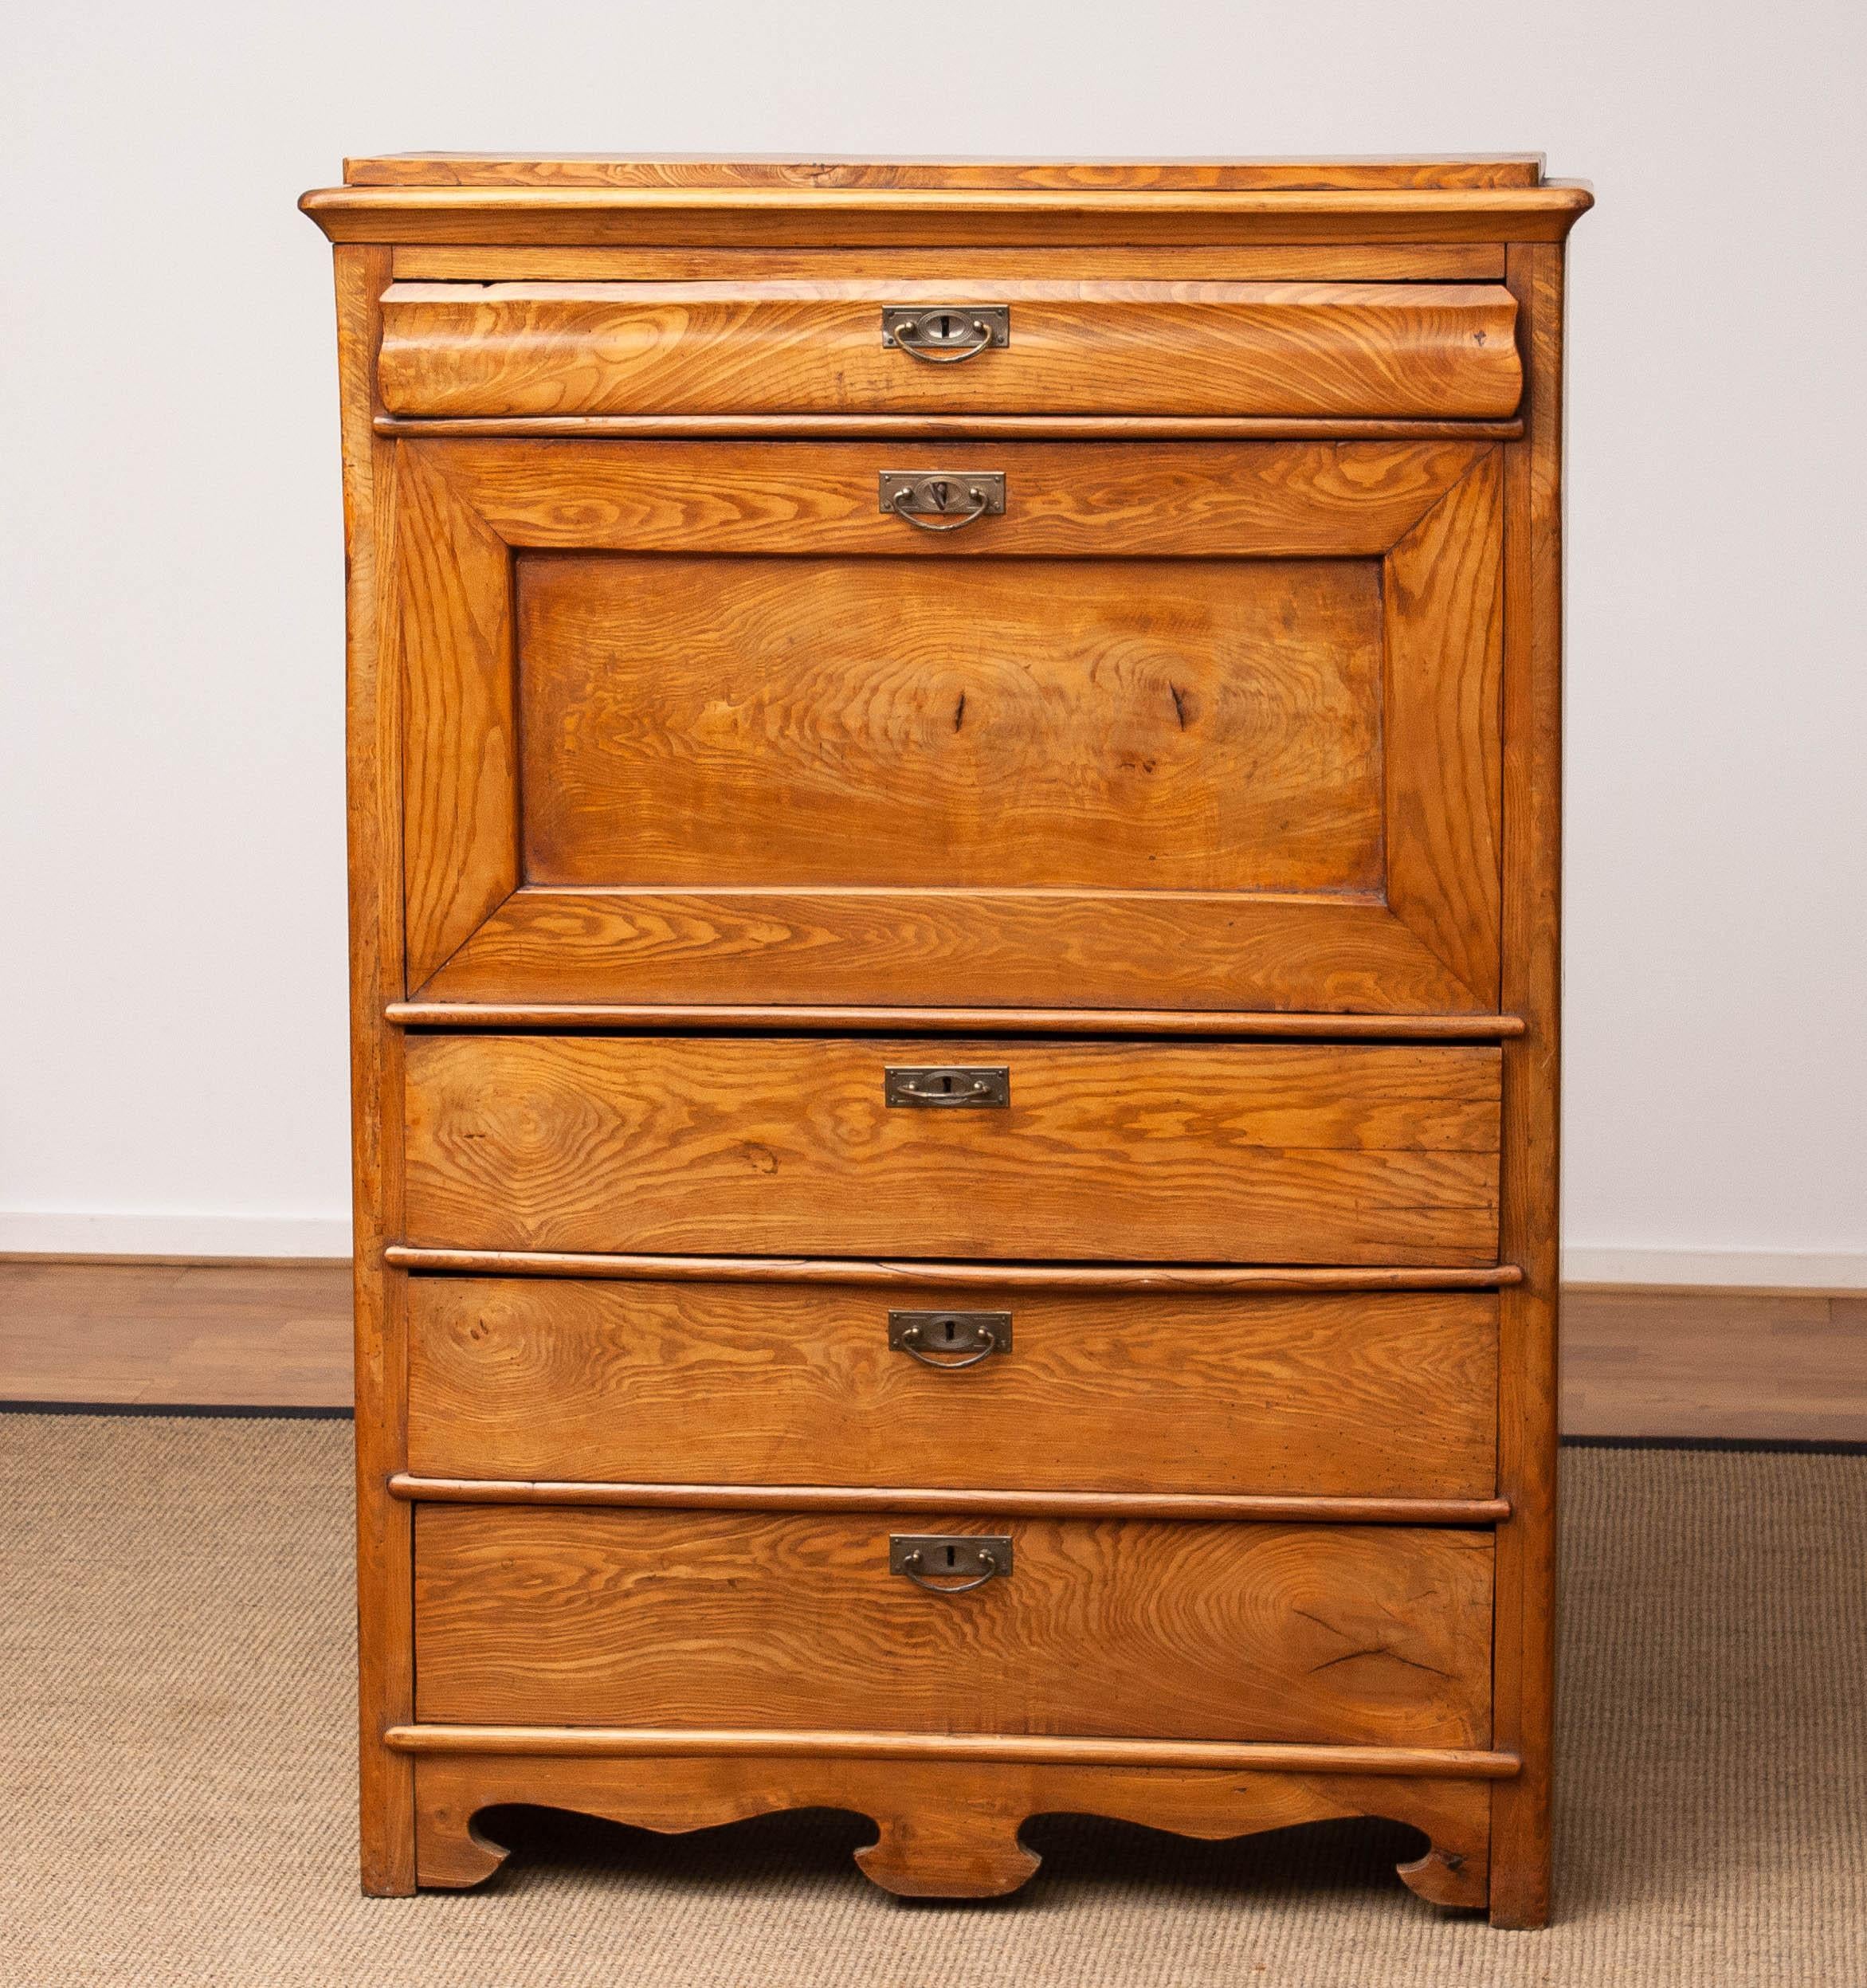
(188, 1237)
(197, 1238)
(1718, 1269)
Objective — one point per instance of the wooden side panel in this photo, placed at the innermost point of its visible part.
(796, 1384)
(1121, 1628)
(461, 759)
(1445, 613)
(1234, 1153)
(1532, 984)
(1426, 350)
(384, 1630)
(1157, 725)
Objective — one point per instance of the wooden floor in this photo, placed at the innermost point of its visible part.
(1769, 1366)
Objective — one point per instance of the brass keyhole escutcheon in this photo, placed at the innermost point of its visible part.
(949, 1340)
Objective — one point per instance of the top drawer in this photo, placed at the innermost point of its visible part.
(1300, 350)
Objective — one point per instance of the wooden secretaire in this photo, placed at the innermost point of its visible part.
(954, 833)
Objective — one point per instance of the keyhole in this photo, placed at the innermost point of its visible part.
(943, 325)
(952, 1558)
(947, 1327)
(940, 492)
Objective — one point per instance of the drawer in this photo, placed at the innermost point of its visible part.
(1301, 1154)
(506, 350)
(547, 1616)
(1186, 725)
(649, 1381)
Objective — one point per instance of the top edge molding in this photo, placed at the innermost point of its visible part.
(778, 216)
(678, 170)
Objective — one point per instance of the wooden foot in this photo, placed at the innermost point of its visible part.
(969, 1852)
(450, 1853)
(1449, 1877)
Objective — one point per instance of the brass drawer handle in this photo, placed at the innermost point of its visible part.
(973, 1335)
(948, 1087)
(943, 500)
(949, 1563)
(945, 334)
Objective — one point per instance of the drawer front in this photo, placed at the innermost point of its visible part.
(515, 350)
(1374, 1394)
(1184, 726)
(1379, 1635)
(1215, 1152)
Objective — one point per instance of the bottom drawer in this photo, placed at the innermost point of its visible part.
(1117, 1628)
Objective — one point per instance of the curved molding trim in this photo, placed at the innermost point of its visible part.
(1059, 1505)
(1045, 1277)
(592, 1743)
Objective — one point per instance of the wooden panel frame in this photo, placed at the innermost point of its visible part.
(1429, 509)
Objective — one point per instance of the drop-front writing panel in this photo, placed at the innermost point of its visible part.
(1208, 726)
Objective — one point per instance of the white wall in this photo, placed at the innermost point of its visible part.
(172, 987)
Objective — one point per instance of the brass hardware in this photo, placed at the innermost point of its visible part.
(945, 334)
(949, 1563)
(943, 500)
(947, 1087)
(931, 1336)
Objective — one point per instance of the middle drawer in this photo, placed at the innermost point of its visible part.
(1212, 1152)
(797, 1381)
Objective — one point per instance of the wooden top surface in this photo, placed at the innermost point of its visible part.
(1160, 175)
(462, 198)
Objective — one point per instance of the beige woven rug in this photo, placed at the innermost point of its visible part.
(175, 1752)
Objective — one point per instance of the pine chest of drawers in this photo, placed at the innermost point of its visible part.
(954, 775)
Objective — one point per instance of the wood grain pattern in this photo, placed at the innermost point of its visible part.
(594, 169)
(870, 217)
(1445, 638)
(1528, 1399)
(1291, 500)
(1340, 950)
(1335, 262)
(1215, 951)
(1117, 1628)
(1423, 351)
(796, 1384)
(947, 1829)
(1163, 725)
(373, 746)
(1264, 1152)
(460, 774)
